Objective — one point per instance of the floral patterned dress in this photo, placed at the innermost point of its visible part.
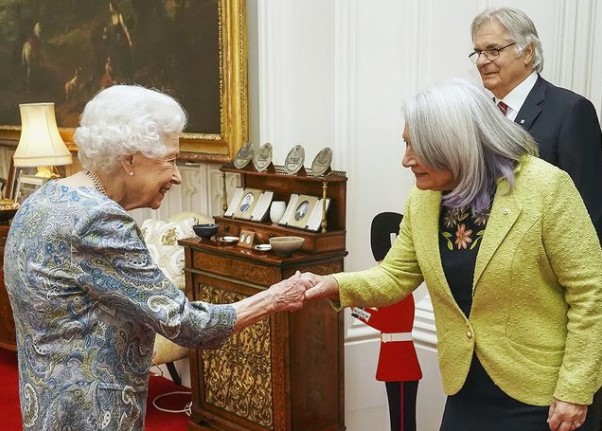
(87, 301)
(461, 234)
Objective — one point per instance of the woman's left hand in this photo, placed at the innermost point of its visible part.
(564, 416)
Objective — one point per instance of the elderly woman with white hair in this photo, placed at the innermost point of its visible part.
(510, 258)
(86, 296)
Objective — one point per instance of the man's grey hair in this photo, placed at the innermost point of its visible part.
(519, 25)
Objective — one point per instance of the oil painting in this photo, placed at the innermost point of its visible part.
(65, 51)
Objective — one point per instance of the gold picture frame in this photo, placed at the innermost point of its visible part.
(226, 78)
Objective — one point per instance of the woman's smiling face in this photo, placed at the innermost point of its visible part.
(154, 177)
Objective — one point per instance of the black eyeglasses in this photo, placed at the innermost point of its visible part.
(490, 53)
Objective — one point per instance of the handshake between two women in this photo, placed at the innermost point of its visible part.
(290, 294)
(287, 295)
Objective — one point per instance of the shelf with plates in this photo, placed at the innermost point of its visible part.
(332, 186)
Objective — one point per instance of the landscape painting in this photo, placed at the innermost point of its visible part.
(65, 51)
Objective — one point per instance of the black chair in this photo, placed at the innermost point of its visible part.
(401, 395)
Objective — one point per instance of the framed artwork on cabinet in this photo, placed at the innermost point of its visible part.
(249, 204)
(304, 212)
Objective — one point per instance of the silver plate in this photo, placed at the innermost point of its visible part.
(294, 160)
(321, 163)
(243, 156)
(263, 247)
(228, 239)
(263, 158)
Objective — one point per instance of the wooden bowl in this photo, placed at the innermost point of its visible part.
(286, 245)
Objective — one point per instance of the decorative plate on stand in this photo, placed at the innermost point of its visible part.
(263, 158)
(294, 160)
(243, 156)
(321, 163)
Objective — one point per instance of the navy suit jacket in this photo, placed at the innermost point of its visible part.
(567, 131)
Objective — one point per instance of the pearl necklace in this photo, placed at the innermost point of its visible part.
(96, 182)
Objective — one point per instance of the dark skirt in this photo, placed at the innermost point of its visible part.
(481, 405)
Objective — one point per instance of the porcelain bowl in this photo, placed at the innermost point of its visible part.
(286, 245)
(205, 230)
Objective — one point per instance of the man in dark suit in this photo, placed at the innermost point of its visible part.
(509, 57)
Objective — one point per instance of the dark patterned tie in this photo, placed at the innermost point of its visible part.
(503, 107)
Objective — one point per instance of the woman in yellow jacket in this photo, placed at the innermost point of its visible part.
(511, 260)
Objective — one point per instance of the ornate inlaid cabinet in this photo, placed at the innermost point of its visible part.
(285, 372)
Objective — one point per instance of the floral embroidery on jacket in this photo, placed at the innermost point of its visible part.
(463, 228)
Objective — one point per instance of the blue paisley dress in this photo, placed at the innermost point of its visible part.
(87, 301)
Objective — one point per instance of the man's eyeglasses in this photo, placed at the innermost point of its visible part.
(490, 53)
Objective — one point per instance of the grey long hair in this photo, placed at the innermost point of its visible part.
(123, 120)
(454, 125)
(519, 25)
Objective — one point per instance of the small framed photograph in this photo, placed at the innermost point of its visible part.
(26, 185)
(247, 203)
(300, 208)
(246, 239)
(305, 212)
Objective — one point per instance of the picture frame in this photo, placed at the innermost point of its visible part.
(299, 210)
(246, 239)
(304, 212)
(203, 41)
(249, 204)
(248, 201)
(26, 185)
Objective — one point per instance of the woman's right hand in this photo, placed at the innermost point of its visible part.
(289, 294)
(286, 295)
(324, 286)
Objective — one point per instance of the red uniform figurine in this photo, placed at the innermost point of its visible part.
(398, 364)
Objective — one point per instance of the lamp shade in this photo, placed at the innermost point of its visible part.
(40, 143)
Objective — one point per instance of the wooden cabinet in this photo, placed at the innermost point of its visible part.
(285, 372)
(7, 323)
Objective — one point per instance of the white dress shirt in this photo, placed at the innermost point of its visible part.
(516, 98)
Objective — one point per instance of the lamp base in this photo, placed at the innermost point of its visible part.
(48, 172)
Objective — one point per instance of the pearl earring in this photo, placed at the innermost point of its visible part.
(132, 174)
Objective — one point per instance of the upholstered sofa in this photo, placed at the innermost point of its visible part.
(161, 237)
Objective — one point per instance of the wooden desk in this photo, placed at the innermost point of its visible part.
(7, 323)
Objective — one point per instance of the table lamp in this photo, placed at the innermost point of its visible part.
(40, 145)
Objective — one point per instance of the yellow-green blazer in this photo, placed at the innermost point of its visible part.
(536, 317)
